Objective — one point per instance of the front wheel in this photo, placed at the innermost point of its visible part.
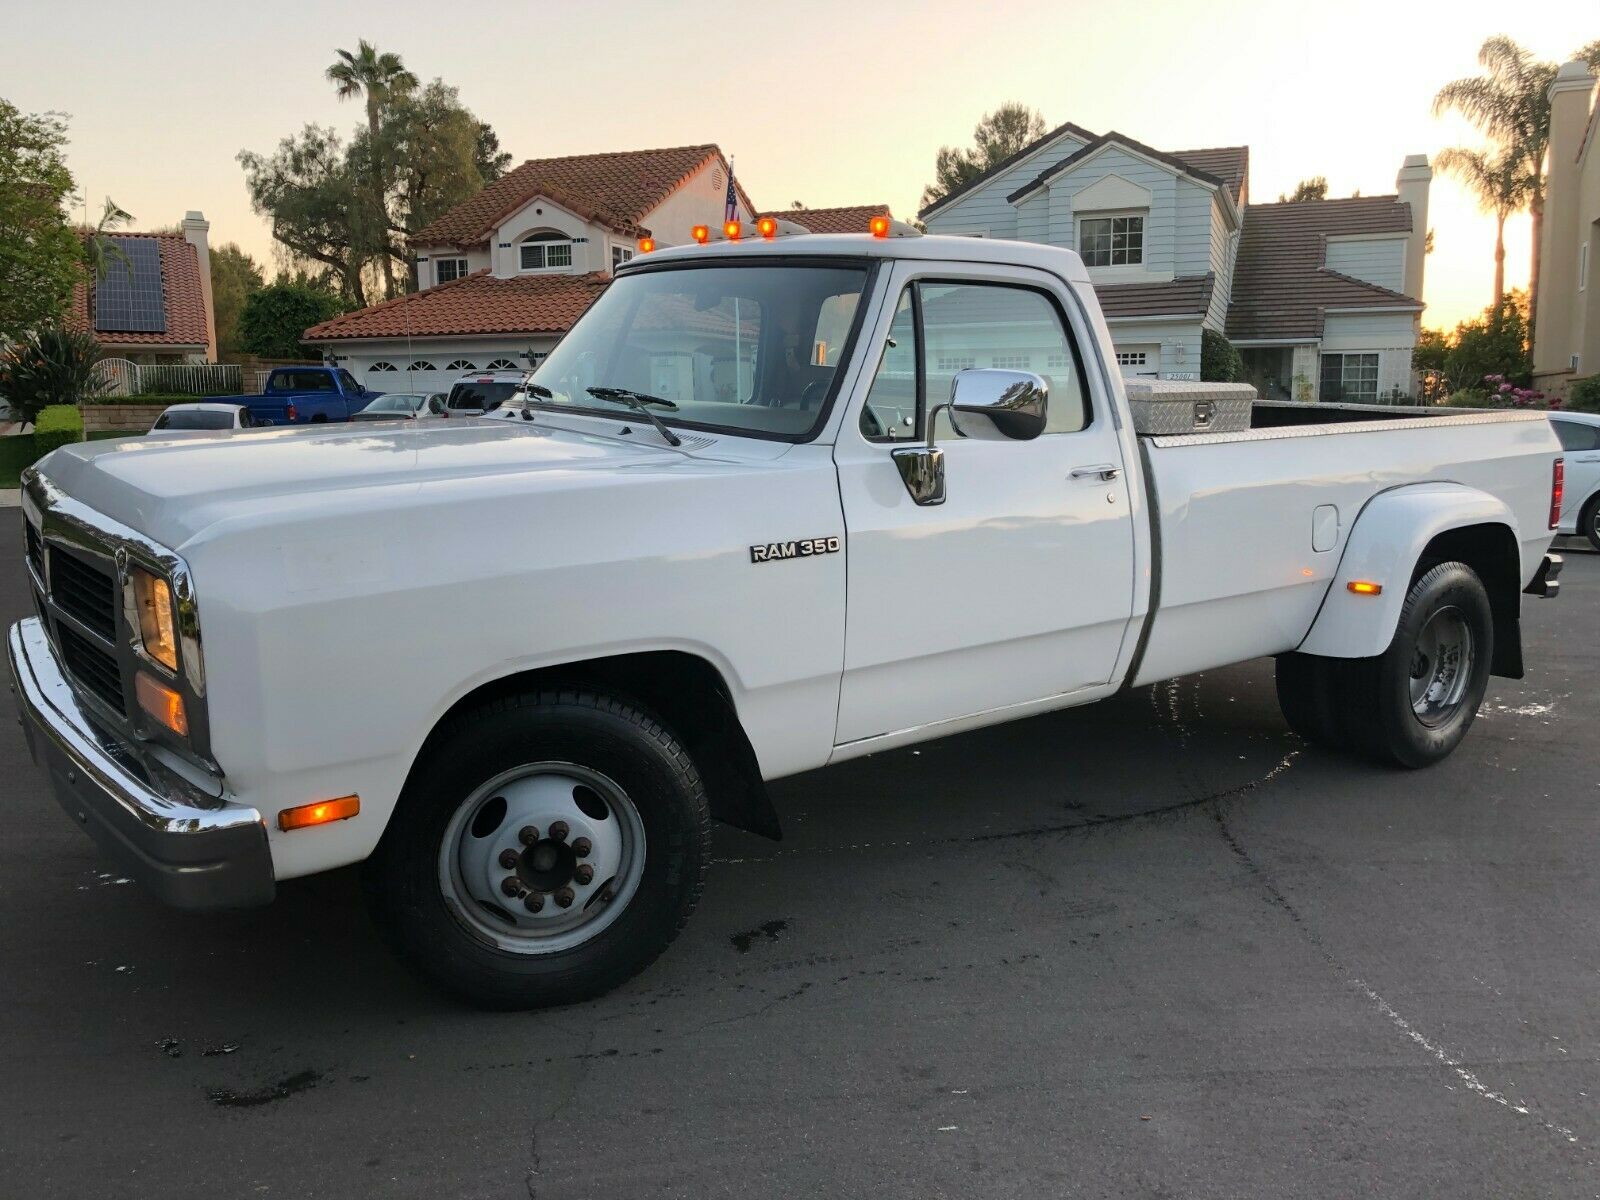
(1412, 705)
(547, 847)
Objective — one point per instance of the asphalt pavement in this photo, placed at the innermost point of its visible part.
(1155, 947)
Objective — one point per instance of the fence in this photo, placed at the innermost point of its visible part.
(124, 378)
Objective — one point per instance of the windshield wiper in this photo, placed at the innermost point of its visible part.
(529, 391)
(640, 402)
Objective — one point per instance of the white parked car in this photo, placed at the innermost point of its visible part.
(1580, 506)
(482, 392)
(403, 406)
(202, 415)
(768, 506)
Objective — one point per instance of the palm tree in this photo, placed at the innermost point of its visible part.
(379, 78)
(100, 252)
(1512, 105)
(1502, 185)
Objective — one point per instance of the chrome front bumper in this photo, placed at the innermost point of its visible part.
(191, 850)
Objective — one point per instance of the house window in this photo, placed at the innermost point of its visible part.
(447, 269)
(1055, 362)
(1132, 358)
(1111, 241)
(1583, 266)
(381, 366)
(952, 363)
(422, 364)
(620, 255)
(1013, 362)
(1350, 377)
(546, 251)
(501, 364)
(460, 364)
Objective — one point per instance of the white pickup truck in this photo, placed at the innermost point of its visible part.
(772, 504)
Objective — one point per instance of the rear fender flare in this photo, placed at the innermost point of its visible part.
(1385, 545)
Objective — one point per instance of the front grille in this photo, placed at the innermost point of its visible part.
(35, 546)
(91, 666)
(83, 592)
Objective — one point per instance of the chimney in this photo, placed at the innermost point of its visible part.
(1412, 184)
(195, 231)
(1555, 338)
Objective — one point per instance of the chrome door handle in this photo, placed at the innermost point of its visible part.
(1105, 472)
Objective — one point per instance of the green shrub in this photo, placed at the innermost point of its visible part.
(1220, 362)
(58, 425)
(15, 454)
(1468, 398)
(1584, 396)
(50, 366)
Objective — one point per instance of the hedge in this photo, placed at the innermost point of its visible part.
(15, 454)
(1584, 395)
(58, 425)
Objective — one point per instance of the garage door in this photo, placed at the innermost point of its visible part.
(1138, 360)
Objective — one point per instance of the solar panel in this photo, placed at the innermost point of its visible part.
(131, 300)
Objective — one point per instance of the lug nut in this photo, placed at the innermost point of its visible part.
(584, 874)
(528, 835)
(533, 902)
(565, 897)
(509, 859)
(511, 886)
(581, 847)
(559, 831)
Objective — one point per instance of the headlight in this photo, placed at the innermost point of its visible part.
(156, 628)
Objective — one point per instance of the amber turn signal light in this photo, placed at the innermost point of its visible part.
(646, 245)
(701, 234)
(1365, 587)
(731, 230)
(768, 227)
(878, 227)
(161, 702)
(320, 813)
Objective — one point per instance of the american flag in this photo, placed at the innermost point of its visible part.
(730, 205)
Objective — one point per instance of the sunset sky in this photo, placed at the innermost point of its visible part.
(828, 103)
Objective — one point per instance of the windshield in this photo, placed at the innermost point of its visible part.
(191, 418)
(749, 350)
(402, 402)
(481, 393)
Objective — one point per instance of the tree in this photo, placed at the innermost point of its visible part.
(1220, 360)
(380, 79)
(1511, 104)
(1498, 343)
(39, 251)
(101, 253)
(1315, 188)
(491, 160)
(274, 318)
(235, 277)
(998, 136)
(1502, 184)
(313, 199)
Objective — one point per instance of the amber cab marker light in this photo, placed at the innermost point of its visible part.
(768, 227)
(161, 702)
(879, 227)
(701, 234)
(646, 245)
(320, 813)
(1365, 587)
(731, 231)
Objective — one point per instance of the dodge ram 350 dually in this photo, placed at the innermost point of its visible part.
(771, 504)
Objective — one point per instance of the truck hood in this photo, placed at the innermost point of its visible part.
(173, 488)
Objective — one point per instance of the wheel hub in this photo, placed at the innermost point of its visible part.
(546, 866)
(1441, 667)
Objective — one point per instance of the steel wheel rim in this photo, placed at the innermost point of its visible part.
(512, 858)
(1441, 666)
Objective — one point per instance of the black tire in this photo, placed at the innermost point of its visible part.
(1308, 694)
(1589, 521)
(1377, 704)
(402, 881)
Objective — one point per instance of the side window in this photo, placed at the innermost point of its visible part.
(348, 382)
(968, 325)
(1575, 435)
(891, 412)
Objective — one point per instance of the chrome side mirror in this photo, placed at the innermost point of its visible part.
(1009, 404)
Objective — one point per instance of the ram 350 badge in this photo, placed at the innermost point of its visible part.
(804, 548)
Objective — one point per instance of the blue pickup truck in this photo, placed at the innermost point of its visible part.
(304, 396)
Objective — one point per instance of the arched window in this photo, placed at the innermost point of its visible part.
(381, 366)
(461, 364)
(422, 364)
(545, 250)
(502, 364)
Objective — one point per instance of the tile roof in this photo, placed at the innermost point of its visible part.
(1121, 139)
(616, 189)
(1077, 131)
(475, 304)
(1231, 164)
(1281, 284)
(1188, 294)
(850, 219)
(183, 296)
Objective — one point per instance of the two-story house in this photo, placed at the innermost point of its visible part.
(504, 274)
(1319, 296)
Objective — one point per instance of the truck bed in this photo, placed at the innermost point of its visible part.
(1234, 574)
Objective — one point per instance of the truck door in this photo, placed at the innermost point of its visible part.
(1019, 586)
